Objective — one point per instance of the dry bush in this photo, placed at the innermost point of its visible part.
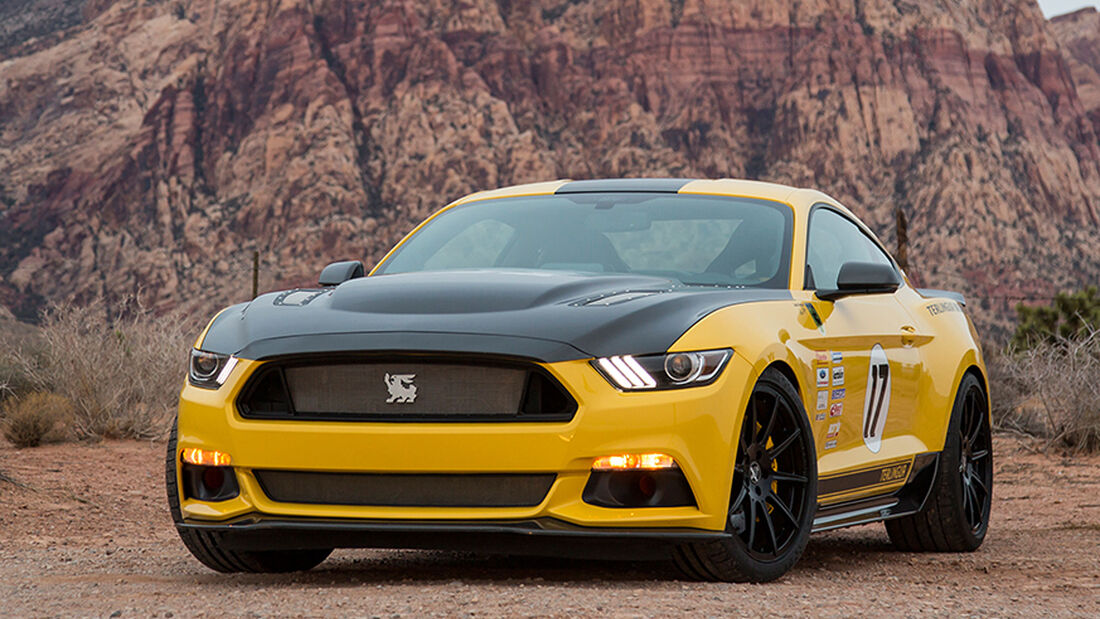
(36, 418)
(1008, 391)
(1051, 390)
(15, 337)
(121, 366)
(14, 378)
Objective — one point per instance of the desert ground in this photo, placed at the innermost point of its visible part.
(84, 531)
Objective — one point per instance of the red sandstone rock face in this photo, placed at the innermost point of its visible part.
(1079, 35)
(154, 148)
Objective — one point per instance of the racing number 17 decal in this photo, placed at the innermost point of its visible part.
(876, 404)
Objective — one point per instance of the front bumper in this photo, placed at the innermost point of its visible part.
(695, 426)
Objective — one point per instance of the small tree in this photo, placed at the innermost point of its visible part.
(1071, 316)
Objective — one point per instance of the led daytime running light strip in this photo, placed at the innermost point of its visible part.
(224, 374)
(627, 372)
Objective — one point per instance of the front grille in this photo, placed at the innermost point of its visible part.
(374, 389)
(405, 490)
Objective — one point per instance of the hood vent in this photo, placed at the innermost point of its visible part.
(616, 298)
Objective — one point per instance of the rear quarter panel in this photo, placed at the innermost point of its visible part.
(950, 349)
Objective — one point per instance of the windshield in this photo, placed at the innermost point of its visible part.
(703, 240)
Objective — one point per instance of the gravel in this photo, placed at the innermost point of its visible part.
(84, 531)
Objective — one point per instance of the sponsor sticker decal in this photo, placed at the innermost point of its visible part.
(897, 472)
(830, 444)
(942, 307)
(876, 404)
(822, 377)
(822, 400)
(838, 357)
(834, 430)
(820, 416)
(838, 394)
(821, 357)
(837, 409)
(817, 318)
(838, 376)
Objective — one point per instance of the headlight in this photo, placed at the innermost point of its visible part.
(209, 370)
(673, 370)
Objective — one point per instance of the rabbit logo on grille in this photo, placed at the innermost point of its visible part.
(402, 389)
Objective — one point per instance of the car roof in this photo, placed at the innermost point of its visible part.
(799, 198)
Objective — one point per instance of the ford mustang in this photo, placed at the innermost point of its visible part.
(706, 371)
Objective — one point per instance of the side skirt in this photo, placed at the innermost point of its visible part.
(909, 499)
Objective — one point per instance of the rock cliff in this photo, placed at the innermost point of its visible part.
(152, 147)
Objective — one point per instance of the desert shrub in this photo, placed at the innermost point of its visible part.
(1052, 390)
(15, 339)
(1008, 390)
(14, 378)
(121, 366)
(1069, 316)
(36, 418)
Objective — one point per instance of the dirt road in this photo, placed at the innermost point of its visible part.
(84, 531)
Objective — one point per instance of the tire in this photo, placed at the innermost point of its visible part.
(774, 494)
(955, 517)
(207, 547)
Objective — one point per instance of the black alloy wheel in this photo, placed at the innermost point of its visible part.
(773, 496)
(769, 477)
(976, 459)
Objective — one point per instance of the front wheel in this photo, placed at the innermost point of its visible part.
(955, 517)
(774, 493)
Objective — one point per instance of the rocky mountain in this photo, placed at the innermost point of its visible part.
(151, 148)
(1079, 36)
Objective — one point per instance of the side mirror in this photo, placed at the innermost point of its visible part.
(862, 278)
(340, 272)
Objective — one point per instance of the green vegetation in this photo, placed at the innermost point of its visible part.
(1071, 316)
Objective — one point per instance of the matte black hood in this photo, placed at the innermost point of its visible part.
(543, 315)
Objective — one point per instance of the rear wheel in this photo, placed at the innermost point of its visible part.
(207, 547)
(774, 493)
(956, 516)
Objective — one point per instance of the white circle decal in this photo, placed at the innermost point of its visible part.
(876, 404)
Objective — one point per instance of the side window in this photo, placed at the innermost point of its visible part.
(478, 246)
(835, 240)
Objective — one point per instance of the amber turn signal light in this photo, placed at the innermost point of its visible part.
(633, 462)
(205, 457)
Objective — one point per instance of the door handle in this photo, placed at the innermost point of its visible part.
(908, 335)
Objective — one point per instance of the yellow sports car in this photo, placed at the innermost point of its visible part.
(701, 370)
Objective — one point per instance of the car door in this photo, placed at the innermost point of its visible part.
(866, 365)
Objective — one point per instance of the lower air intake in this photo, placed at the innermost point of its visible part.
(405, 490)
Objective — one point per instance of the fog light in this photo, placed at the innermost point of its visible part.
(627, 462)
(213, 478)
(205, 457)
(208, 483)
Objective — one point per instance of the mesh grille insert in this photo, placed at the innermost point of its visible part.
(404, 390)
(406, 490)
